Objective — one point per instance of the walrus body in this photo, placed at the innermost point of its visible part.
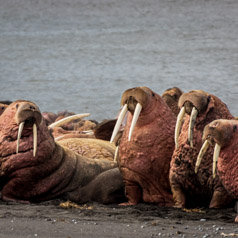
(190, 189)
(45, 170)
(144, 160)
(90, 148)
(223, 134)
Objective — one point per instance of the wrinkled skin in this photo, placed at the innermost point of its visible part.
(225, 134)
(171, 97)
(2, 108)
(90, 148)
(144, 161)
(190, 189)
(55, 171)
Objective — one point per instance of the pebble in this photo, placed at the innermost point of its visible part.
(203, 219)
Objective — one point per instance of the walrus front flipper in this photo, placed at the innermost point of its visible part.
(106, 188)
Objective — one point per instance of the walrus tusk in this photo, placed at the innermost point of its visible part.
(119, 121)
(116, 154)
(201, 154)
(68, 119)
(178, 125)
(134, 119)
(21, 126)
(215, 158)
(34, 139)
(192, 121)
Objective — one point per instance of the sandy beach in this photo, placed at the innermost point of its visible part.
(51, 219)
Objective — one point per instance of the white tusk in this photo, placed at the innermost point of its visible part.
(68, 119)
(34, 140)
(215, 158)
(178, 125)
(192, 121)
(201, 154)
(89, 132)
(119, 122)
(21, 126)
(116, 154)
(134, 119)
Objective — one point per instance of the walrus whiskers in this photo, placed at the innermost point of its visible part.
(192, 121)
(119, 121)
(178, 125)
(134, 120)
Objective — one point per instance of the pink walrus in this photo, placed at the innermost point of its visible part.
(34, 168)
(146, 146)
(198, 108)
(224, 135)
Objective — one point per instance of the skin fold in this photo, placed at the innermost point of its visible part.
(190, 189)
(144, 160)
(54, 171)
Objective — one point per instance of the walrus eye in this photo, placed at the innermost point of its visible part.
(2, 108)
(153, 94)
(17, 106)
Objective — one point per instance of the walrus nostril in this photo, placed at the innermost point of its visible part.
(32, 107)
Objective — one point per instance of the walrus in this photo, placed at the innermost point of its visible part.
(171, 97)
(62, 128)
(197, 109)
(222, 135)
(2, 108)
(90, 147)
(146, 147)
(34, 168)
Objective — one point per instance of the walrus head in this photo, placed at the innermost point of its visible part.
(171, 97)
(134, 100)
(217, 133)
(192, 103)
(19, 125)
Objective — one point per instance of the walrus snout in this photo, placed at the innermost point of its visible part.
(29, 113)
(191, 103)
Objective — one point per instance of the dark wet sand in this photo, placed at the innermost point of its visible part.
(48, 219)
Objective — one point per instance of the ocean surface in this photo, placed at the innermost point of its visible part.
(81, 55)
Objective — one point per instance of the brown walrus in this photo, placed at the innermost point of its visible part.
(34, 168)
(171, 97)
(146, 146)
(190, 189)
(2, 107)
(73, 126)
(223, 135)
